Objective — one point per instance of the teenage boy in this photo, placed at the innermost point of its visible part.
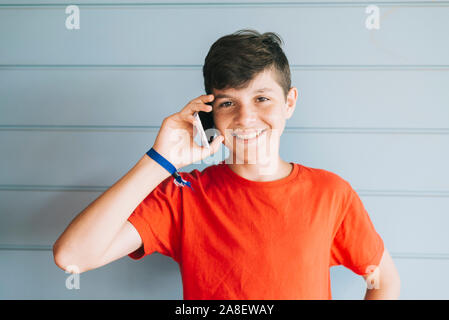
(253, 226)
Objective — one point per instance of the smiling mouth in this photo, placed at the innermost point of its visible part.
(249, 136)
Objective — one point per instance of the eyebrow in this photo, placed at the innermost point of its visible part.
(221, 95)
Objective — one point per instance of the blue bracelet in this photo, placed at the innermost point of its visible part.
(179, 181)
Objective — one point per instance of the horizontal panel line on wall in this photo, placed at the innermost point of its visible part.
(20, 187)
(238, 4)
(25, 248)
(324, 130)
(361, 192)
(197, 67)
(396, 255)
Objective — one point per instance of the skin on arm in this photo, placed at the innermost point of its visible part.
(127, 240)
(101, 233)
(383, 283)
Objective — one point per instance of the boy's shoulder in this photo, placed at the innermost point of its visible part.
(324, 178)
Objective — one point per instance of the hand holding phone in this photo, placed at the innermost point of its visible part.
(180, 123)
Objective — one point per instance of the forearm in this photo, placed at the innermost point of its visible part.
(92, 231)
(390, 292)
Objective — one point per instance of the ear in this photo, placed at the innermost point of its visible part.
(290, 104)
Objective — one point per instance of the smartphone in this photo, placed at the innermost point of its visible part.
(205, 122)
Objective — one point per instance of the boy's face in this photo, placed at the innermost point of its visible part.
(240, 114)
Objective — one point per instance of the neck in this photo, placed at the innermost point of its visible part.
(274, 169)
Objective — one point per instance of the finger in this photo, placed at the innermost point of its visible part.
(200, 101)
(213, 146)
(196, 107)
(204, 98)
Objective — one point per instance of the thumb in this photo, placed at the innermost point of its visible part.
(214, 145)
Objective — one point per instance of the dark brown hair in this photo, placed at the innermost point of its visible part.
(235, 59)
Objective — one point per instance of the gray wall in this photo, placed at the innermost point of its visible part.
(78, 108)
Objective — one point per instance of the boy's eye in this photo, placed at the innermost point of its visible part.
(224, 104)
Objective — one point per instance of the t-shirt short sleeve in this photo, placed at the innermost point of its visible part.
(157, 220)
(356, 244)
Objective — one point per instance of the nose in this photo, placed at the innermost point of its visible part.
(246, 116)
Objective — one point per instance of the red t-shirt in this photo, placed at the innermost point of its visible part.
(235, 238)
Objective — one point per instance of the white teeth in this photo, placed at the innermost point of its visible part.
(248, 136)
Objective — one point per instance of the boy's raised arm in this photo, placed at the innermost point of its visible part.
(88, 241)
